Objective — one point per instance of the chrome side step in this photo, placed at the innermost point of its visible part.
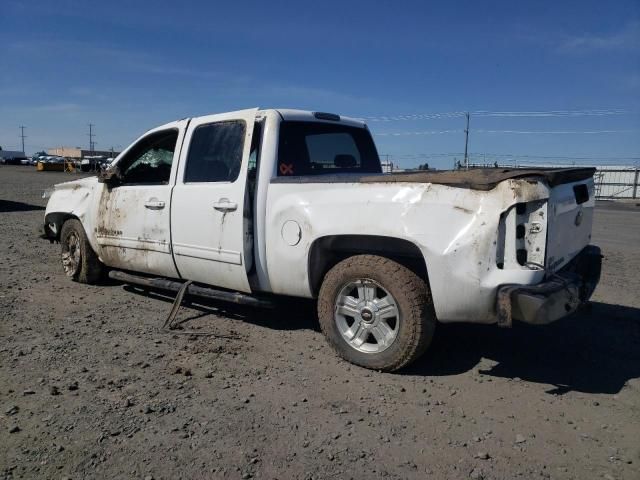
(195, 290)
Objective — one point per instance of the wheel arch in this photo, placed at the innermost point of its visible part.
(327, 251)
(53, 222)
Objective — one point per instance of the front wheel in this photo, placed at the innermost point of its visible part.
(79, 261)
(376, 313)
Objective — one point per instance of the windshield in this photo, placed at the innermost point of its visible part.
(314, 148)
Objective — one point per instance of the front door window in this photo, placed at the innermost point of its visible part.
(149, 161)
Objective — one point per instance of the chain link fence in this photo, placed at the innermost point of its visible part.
(615, 182)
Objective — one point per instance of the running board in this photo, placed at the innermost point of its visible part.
(195, 290)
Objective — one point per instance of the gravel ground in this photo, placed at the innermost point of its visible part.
(91, 388)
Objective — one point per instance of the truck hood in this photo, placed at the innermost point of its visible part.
(87, 182)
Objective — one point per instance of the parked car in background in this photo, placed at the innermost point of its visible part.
(11, 157)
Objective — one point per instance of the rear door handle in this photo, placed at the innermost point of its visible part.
(224, 205)
(154, 204)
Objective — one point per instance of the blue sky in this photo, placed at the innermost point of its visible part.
(127, 66)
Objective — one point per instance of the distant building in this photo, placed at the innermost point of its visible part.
(78, 153)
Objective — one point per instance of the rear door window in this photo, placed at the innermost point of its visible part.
(215, 153)
(315, 148)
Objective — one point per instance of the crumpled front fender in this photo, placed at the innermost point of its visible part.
(74, 199)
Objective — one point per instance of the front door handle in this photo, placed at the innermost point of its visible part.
(224, 205)
(153, 204)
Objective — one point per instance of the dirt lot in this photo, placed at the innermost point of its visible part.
(90, 388)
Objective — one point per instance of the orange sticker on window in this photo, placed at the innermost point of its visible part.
(286, 169)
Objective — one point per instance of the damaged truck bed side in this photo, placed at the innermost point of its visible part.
(257, 203)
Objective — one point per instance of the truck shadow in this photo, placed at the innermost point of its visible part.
(593, 351)
(11, 206)
(290, 314)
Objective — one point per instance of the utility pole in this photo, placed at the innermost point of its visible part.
(466, 143)
(91, 135)
(22, 136)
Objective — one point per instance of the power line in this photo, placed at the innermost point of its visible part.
(523, 132)
(519, 155)
(516, 160)
(416, 116)
(553, 113)
(554, 132)
(489, 157)
(564, 157)
(490, 113)
(427, 132)
(507, 155)
(422, 155)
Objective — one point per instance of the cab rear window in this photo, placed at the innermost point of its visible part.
(314, 148)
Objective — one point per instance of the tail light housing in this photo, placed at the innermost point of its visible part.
(522, 236)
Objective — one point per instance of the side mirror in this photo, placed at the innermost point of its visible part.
(111, 176)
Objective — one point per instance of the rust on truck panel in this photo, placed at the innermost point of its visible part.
(525, 189)
(503, 305)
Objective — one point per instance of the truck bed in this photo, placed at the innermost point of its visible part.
(475, 178)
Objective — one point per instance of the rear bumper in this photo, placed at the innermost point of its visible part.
(558, 296)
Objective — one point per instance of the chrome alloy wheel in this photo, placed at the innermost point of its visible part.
(71, 255)
(367, 316)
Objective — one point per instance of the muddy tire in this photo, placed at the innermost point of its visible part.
(376, 313)
(79, 261)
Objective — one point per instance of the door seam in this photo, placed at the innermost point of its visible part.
(173, 256)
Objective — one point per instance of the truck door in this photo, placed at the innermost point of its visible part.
(207, 206)
(132, 228)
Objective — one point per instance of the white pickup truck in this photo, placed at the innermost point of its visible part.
(256, 203)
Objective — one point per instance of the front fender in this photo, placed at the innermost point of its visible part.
(75, 199)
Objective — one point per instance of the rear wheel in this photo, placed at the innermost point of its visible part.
(79, 261)
(376, 313)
